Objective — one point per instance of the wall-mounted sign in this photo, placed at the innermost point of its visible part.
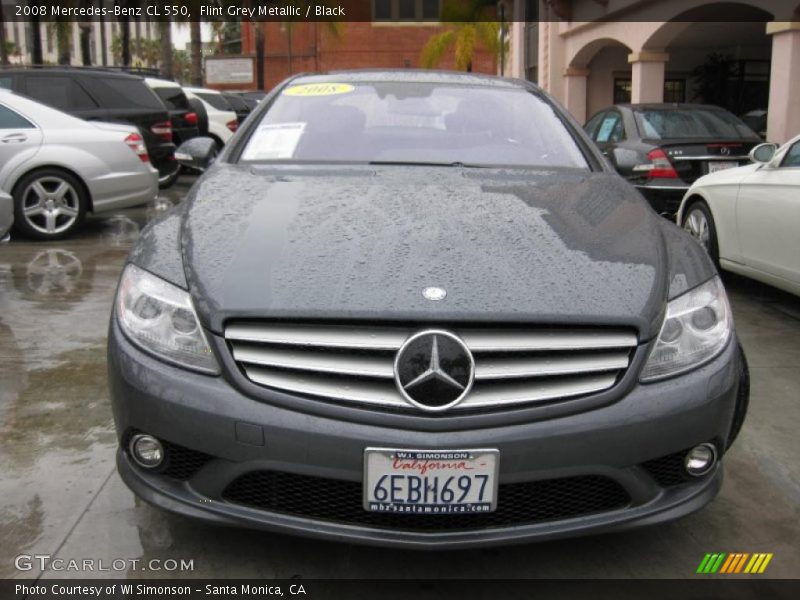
(225, 71)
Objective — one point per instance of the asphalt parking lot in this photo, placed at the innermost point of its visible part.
(60, 494)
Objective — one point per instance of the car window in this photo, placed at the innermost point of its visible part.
(59, 92)
(611, 128)
(173, 97)
(591, 127)
(691, 122)
(792, 158)
(236, 103)
(216, 100)
(11, 120)
(119, 92)
(6, 82)
(413, 123)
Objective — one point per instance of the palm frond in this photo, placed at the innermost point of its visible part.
(465, 46)
(436, 47)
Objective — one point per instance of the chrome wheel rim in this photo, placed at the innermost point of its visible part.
(697, 225)
(50, 205)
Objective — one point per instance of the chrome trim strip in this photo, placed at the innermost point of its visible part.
(519, 341)
(519, 392)
(518, 368)
(368, 338)
(379, 393)
(323, 362)
(715, 157)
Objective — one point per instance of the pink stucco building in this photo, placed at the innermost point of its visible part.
(592, 53)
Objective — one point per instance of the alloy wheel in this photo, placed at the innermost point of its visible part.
(50, 205)
(697, 225)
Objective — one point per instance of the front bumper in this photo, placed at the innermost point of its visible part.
(242, 435)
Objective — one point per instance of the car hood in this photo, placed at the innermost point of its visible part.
(556, 247)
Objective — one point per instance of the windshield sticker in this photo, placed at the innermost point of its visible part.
(274, 141)
(318, 89)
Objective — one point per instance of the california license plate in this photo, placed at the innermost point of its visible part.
(713, 167)
(430, 482)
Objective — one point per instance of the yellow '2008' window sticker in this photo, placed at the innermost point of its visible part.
(318, 89)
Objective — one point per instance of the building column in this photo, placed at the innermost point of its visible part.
(575, 92)
(783, 117)
(647, 76)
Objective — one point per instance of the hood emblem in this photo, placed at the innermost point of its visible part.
(434, 370)
(434, 293)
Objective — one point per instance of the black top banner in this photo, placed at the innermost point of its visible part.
(394, 11)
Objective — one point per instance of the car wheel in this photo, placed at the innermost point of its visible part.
(699, 223)
(49, 204)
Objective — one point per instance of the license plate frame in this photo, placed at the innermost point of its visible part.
(380, 462)
(722, 165)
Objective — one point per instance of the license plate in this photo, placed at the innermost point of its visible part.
(430, 482)
(713, 167)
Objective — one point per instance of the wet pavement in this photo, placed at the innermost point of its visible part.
(60, 494)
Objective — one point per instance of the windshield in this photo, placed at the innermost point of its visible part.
(691, 123)
(215, 100)
(173, 97)
(401, 122)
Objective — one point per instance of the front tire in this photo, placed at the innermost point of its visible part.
(49, 204)
(698, 222)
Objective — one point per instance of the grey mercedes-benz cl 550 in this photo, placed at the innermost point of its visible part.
(419, 309)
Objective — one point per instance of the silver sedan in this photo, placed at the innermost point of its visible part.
(58, 168)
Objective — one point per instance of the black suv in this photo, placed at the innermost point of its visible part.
(103, 95)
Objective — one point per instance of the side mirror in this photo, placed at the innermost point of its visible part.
(197, 153)
(763, 153)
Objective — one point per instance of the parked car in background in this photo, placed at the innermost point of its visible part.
(185, 121)
(58, 168)
(96, 94)
(757, 121)
(428, 314)
(6, 215)
(222, 119)
(663, 148)
(239, 106)
(749, 218)
(250, 97)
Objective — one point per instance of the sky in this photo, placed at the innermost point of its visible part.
(180, 34)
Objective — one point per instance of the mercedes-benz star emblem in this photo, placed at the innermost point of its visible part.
(434, 370)
(725, 151)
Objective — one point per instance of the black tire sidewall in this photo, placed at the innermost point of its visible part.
(713, 244)
(21, 225)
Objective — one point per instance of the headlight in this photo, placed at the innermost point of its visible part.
(160, 318)
(697, 327)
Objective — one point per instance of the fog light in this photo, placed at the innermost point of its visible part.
(700, 459)
(146, 451)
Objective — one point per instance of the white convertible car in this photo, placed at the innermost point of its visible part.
(748, 218)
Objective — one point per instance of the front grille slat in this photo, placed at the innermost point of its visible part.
(331, 336)
(519, 341)
(355, 364)
(322, 362)
(514, 368)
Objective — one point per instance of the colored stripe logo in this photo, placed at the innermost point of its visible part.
(733, 563)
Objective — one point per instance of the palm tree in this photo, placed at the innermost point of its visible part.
(3, 48)
(334, 28)
(196, 46)
(36, 39)
(85, 25)
(468, 27)
(165, 33)
(62, 30)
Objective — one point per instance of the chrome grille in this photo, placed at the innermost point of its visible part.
(356, 364)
